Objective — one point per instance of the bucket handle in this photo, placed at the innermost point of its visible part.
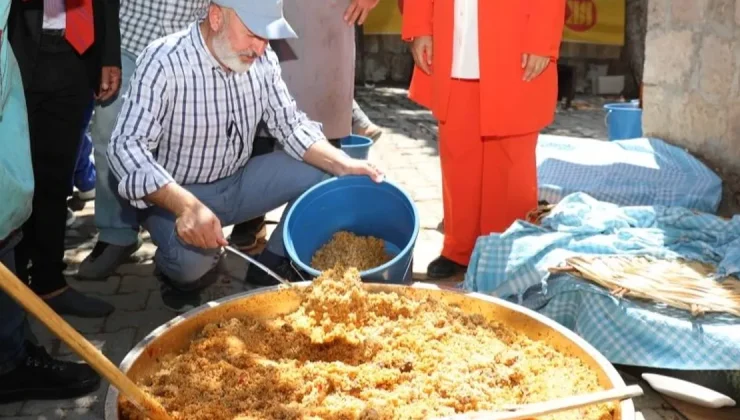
(606, 117)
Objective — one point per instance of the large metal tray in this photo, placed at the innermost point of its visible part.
(175, 335)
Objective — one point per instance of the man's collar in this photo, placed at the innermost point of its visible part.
(196, 35)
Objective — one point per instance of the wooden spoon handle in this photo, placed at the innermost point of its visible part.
(39, 309)
(555, 406)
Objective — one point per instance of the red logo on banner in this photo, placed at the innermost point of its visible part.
(580, 15)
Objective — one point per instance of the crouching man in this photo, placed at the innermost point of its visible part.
(182, 145)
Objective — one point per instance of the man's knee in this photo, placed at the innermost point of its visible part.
(186, 265)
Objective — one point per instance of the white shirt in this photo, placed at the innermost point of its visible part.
(186, 119)
(55, 14)
(465, 64)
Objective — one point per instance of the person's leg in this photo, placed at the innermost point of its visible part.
(246, 236)
(510, 177)
(27, 372)
(56, 102)
(115, 218)
(266, 183)
(12, 317)
(362, 125)
(84, 177)
(461, 157)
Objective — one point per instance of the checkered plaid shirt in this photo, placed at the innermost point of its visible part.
(185, 119)
(143, 21)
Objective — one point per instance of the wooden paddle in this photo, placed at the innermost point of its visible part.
(529, 411)
(36, 307)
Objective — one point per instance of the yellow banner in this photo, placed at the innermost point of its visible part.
(588, 21)
(594, 21)
(385, 19)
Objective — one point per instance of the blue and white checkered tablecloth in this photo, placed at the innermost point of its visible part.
(634, 172)
(514, 265)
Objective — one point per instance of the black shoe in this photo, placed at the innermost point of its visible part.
(443, 268)
(182, 298)
(246, 235)
(39, 377)
(280, 265)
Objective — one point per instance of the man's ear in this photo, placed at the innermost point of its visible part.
(216, 17)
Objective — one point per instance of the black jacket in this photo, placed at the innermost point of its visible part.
(24, 32)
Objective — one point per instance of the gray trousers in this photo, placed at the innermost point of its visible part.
(264, 184)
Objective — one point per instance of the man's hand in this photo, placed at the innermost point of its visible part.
(110, 82)
(361, 167)
(421, 49)
(358, 10)
(198, 226)
(533, 66)
(195, 223)
(336, 162)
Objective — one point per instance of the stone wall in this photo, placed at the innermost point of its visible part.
(692, 69)
(383, 59)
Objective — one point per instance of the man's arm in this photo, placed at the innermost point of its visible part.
(138, 130)
(544, 30)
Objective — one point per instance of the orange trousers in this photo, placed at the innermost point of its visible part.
(487, 182)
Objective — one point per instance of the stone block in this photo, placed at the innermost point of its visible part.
(658, 13)
(737, 12)
(655, 120)
(687, 12)
(372, 44)
(129, 302)
(668, 57)
(137, 284)
(720, 15)
(717, 67)
(144, 321)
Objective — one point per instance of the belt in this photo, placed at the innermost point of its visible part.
(53, 32)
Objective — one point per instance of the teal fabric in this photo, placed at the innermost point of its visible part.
(16, 173)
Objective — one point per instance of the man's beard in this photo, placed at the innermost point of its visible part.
(223, 52)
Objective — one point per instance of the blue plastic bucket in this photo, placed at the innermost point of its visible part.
(623, 120)
(357, 147)
(361, 206)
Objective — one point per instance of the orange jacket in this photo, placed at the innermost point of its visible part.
(507, 29)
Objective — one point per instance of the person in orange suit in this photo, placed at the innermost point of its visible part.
(487, 71)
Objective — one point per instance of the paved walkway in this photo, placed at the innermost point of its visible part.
(407, 152)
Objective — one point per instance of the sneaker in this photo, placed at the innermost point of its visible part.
(40, 377)
(372, 132)
(104, 260)
(88, 195)
(280, 265)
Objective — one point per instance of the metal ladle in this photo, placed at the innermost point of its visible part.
(258, 264)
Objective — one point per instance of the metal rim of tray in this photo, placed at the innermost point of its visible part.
(627, 406)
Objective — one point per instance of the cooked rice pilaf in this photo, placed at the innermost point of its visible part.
(350, 250)
(349, 354)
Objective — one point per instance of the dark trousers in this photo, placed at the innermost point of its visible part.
(12, 317)
(262, 146)
(57, 96)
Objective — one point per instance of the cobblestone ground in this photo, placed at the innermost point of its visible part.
(407, 152)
